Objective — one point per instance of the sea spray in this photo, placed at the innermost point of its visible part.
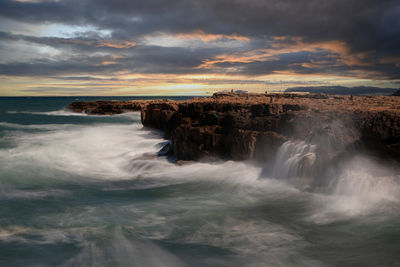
(353, 187)
(294, 159)
(359, 187)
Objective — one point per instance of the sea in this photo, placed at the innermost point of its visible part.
(80, 190)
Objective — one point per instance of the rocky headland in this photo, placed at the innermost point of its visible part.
(254, 126)
(111, 107)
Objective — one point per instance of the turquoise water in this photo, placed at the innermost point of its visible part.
(78, 190)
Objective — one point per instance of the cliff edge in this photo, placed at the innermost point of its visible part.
(254, 126)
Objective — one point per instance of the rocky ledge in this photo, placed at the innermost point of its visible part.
(111, 107)
(254, 126)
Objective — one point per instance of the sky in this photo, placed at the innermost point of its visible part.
(195, 47)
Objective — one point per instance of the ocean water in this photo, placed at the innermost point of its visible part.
(79, 190)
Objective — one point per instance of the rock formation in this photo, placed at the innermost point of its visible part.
(102, 107)
(253, 126)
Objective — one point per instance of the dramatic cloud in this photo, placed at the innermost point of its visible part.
(214, 43)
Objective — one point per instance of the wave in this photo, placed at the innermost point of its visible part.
(89, 151)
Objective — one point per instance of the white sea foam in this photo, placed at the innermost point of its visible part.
(357, 187)
(362, 187)
(115, 151)
(99, 151)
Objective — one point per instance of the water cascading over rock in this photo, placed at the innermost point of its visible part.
(294, 159)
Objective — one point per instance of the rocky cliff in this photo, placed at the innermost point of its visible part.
(253, 126)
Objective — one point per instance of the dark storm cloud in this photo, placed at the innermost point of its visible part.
(364, 24)
(50, 68)
(368, 27)
(178, 60)
(83, 44)
(147, 59)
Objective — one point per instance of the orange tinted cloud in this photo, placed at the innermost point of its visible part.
(117, 44)
(240, 57)
(341, 48)
(280, 47)
(111, 60)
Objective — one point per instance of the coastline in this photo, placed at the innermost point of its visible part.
(78, 182)
(253, 126)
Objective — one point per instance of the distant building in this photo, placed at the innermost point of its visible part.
(232, 92)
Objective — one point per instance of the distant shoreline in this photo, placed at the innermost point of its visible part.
(343, 90)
